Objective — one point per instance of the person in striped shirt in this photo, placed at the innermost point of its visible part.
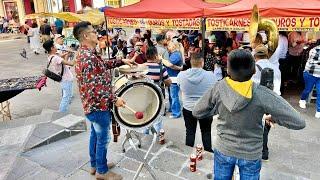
(158, 73)
(311, 76)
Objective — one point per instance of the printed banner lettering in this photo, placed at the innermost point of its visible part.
(188, 23)
(283, 23)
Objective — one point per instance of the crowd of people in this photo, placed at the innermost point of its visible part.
(175, 61)
(220, 78)
(9, 25)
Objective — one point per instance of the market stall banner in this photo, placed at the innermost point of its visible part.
(283, 23)
(181, 24)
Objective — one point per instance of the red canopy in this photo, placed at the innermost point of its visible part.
(268, 8)
(162, 9)
(204, 5)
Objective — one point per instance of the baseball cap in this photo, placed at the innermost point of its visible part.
(261, 50)
(59, 36)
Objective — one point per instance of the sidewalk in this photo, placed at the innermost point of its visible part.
(10, 36)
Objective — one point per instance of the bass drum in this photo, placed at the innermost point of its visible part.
(141, 95)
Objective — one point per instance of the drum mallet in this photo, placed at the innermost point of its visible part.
(137, 114)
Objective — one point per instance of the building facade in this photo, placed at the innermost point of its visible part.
(17, 9)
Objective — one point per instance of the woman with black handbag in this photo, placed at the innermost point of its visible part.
(61, 73)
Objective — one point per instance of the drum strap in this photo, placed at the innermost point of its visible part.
(161, 74)
(115, 129)
(161, 83)
(115, 125)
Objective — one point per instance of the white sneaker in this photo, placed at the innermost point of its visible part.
(317, 115)
(302, 104)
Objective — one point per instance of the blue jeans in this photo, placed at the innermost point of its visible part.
(224, 167)
(311, 81)
(157, 126)
(99, 139)
(175, 101)
(66, 95)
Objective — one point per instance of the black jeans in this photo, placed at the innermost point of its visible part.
(294, 65)
(283, 66)
(191, 127)
(265, 137)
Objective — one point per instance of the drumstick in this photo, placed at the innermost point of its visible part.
(138, 115)
(130, 108)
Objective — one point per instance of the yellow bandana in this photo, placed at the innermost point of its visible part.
(243, 88)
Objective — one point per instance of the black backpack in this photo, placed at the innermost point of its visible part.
(52, 75)
(266, 78)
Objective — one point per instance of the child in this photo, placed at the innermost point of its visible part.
(241, 105)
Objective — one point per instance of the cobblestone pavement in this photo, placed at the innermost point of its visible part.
(293, 154)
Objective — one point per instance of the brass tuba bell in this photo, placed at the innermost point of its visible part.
(258, 24)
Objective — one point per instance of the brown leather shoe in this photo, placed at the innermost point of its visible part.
(108, 176)
(110, 166)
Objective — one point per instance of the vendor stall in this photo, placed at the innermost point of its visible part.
(173, 14)
(289, 15)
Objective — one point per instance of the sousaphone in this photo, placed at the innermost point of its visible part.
(257, 24)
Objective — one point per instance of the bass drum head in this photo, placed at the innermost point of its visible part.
(142, 97)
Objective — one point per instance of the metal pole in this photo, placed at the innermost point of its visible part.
(105, 19)
(203, 29)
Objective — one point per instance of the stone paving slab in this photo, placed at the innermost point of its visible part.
(160, 175)
(14, 136)
(269, 171)
(68, 121)
(131, 165)
(131, 153)
(11, 141)
(81, 174)
(205, 165)
(124, 173)
(198, 174)
(7, 156)
(42, 118)
(306, 164)
(146, 142)
(22, 167)
(112, 157)
(181, 148)
(169, 161)
(315, 176)
(12, 124)
(42, 174)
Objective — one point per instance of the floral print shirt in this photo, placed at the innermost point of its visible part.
(94, 80)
